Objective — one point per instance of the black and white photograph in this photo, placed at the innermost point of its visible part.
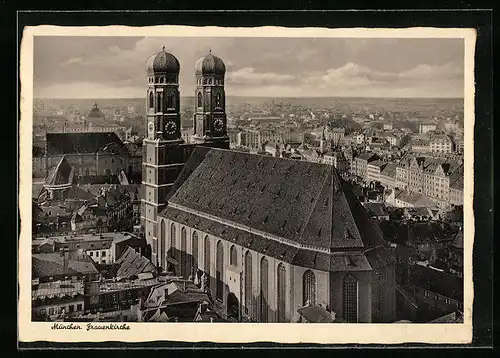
(218, 178)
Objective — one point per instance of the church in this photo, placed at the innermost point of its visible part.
(266, 235)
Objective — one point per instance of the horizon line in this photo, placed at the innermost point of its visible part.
(267, 97)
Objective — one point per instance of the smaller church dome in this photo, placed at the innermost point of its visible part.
(95, 113)
(210, 65)
(163, 62)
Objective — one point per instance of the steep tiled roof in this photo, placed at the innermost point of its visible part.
(442, 283)
(73, 143)
(378, 163)
(194, 160)
(303, 203)
(366, 156)
(416, 199)
(376, 209)
(132, 263)
(52, 264)
(389, 170)
(62, 173)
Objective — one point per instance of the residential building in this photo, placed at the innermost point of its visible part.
(441, 143)
(50, 300)
(431, 176)
(377, 211)
(360, 164)
(388, 176)
(407, 199)
(426, 127)
(374, 169)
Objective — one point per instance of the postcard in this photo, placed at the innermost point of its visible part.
(233, 185)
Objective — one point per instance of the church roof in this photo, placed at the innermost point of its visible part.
(303, 205)
(77, 143)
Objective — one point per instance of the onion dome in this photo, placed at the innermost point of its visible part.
(163, 63)
(210, 65)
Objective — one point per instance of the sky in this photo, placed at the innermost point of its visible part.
(115, 67)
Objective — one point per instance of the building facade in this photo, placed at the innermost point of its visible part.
(430, 176)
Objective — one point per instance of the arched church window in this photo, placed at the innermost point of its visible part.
(264, 289)
(281, 292)
(350, 299)
(207, 255)
(163, 238)
(159, 102)
(233, 259)
(173, 234)
(194, 250)
(182, 258)
(219, 270)
(151, 100)
(200, 100)
(309, 288)
(248, 282)
(210, 81)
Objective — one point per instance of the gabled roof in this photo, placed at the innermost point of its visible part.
(389, 170)
(366, 156)
(132, 264)
(75, 143)
(378, 163)
(415, 199)
(376, 209)
(62, 173)
(441, 283)
(52, 264)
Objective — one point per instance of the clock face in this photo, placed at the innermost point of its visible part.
(170, 127)
(218, 124)
(151, 127)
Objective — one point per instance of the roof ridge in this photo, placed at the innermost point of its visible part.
(314, 207)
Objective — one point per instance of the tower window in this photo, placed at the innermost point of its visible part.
(151, 100)
(217, 100)
(200, 103)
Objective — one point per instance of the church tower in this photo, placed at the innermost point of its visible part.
(210, 103)
(162, 154)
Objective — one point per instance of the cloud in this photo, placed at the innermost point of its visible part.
(89, 90)
(72, 61)
(248, 76)
(114, 67)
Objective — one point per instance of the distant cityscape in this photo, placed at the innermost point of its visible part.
(138, 219)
